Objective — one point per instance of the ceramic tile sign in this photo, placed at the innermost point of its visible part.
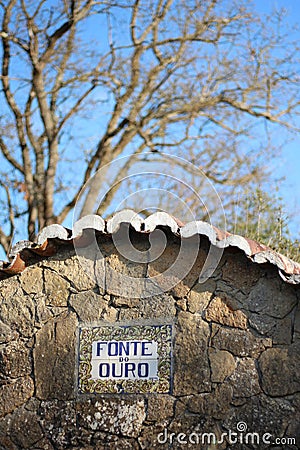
(125, 359)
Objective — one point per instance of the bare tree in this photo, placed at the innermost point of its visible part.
(85, 81)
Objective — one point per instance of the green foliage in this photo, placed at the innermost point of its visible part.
(262, 217)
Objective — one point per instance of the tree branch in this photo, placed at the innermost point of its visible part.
(6, 240)
(7, 154)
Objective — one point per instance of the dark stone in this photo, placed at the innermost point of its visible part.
(191, 344)
(25, 429)
(14, 360)
(280, 370)
(238, 342)
(54, 358)
(14, 394)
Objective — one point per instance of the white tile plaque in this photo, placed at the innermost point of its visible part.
(125, 358)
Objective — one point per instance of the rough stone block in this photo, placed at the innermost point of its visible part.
(78, 270)
(261, 414)
(178, 268)
(43, 313)
(58, 419)
(5, 440)
(238, 342)
(197, 300)
(279, 330)
(25, 429)
(14, 394)
(192, 371)
(91, 307)
(160, 306)
(244, 380)
(282, 332)
(121, 302)
(272, 297)
(9, 287)
(56, 289)
(54, 358)
(6, 333)
(215, 404)
(115, 415)
(18, 312)
(123, 284)
(222, 364)
(221, 311)
(14, 360)
(280, 370)
(32, 280)
(125, 276)
(160, 407)
(293, 429)
(240, 273)
(43, 444)
(128, 265)
(296, 323)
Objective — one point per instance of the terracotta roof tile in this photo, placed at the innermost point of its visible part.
(51, 238)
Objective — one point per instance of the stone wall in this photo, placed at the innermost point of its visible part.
(235, 355)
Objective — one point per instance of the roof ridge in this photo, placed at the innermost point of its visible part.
(289, 270)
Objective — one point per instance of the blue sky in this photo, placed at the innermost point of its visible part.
(289, 165)
(290, 187)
